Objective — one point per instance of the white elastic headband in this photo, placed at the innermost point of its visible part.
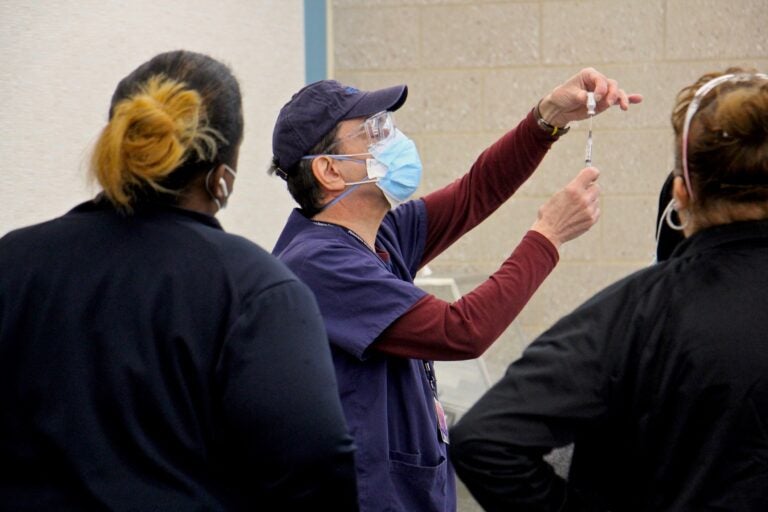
(693, 106)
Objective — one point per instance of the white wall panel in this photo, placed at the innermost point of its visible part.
(61, 61)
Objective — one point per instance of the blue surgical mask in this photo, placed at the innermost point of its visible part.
(397, 167)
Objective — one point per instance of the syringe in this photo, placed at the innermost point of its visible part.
(591, 105)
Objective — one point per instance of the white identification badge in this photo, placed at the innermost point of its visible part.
(442, 424)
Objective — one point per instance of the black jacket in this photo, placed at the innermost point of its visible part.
(661, 383)
(155, 362)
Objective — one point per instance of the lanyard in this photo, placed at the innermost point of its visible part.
(383, 260)
(429, 370)
(349, 232)
(442, 426)
(442, 423)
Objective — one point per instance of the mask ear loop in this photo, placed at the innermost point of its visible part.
(352, 185)
(210, 193)
(338, 198)
(216, 200)
(667, 215)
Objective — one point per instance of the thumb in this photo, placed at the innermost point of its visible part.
(594, 81)
(587, 176)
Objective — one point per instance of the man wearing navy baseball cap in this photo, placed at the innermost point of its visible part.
(358, 240)
(315, 111)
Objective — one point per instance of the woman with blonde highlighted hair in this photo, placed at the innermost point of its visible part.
(148, 359)
(661, 380)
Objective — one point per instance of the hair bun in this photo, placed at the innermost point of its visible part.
(149, 135)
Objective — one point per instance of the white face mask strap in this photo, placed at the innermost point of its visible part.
(223, 184)
(370, 165)
(208, 189)
(666, 216)
(363, 182)
(352, 185)
(670, 205)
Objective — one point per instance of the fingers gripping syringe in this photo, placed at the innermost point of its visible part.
(591, 105)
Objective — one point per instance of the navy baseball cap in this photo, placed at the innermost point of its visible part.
(317, 108)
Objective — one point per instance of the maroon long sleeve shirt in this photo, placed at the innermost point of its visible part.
(438, 330)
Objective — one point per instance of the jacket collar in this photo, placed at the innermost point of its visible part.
(147, 208)
(747, 233)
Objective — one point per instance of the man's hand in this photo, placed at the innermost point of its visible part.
(571, 211)
(568, 102)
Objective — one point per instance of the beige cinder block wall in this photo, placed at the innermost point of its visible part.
(475, 68)
(62, 59)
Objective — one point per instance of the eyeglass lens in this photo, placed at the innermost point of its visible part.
(379, 127)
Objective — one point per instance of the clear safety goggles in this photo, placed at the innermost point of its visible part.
(378, 128)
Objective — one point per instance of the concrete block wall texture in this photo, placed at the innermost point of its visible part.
(61, 61)
(475, 68)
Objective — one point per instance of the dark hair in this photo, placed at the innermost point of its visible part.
(301, 181)
(174, 117)
(728, 139)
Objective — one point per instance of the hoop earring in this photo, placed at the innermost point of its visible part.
(668, 217)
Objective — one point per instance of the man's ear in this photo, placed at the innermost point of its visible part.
(327, 174)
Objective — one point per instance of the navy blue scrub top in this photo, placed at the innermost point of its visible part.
(388, 401)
